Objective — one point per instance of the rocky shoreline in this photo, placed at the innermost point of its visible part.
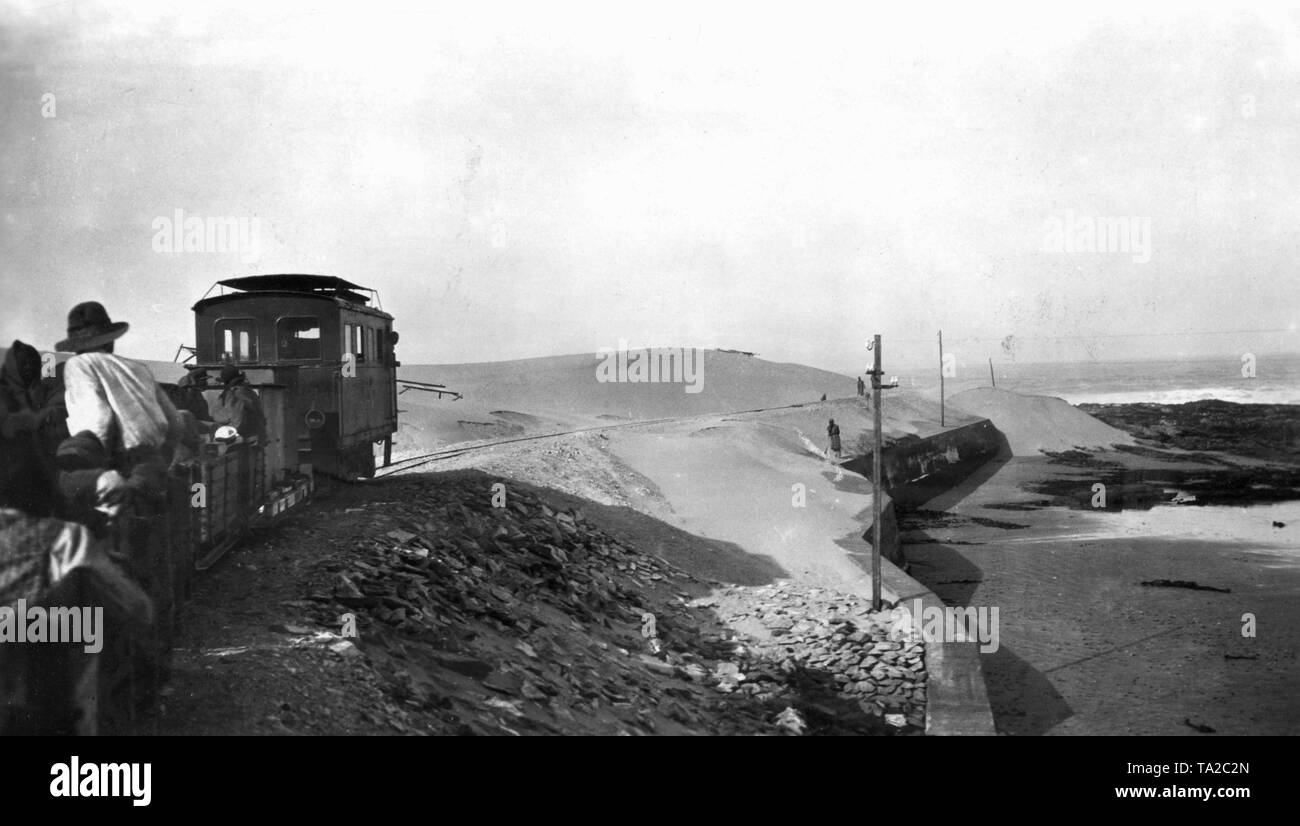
(1194, 454)
(1264, 431)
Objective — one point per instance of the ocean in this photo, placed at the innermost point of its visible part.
(1276, 380)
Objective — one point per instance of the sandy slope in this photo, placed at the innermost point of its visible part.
(1033, 424)
(761, 480)
(760, 487)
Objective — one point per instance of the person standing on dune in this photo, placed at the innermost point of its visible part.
(833, 433)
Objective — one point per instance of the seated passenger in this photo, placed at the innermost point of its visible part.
(20, 377)
(22, 387)
(92, 492)
(239, 405)
(188, 394)
(26, 477)
(51, 689)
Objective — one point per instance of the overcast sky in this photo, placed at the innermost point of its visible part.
(526, 180)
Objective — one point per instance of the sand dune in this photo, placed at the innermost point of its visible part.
(1035, 424)
(567, 387)
(563, 392)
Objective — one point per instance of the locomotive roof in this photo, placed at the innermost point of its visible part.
(297, 283)
(327, 287)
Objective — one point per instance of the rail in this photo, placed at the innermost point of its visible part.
(469, 447)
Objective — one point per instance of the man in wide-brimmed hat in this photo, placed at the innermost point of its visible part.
(117, 399)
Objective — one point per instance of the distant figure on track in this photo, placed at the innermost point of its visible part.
(833, 432)
(862, 387)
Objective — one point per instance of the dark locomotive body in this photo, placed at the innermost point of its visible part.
(313, 345)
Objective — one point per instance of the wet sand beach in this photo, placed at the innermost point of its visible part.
(1085, 647)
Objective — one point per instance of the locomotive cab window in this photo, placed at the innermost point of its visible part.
(298, 338)
(236, 340)
(352, 341)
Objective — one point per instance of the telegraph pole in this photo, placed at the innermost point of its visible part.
(875, 480)
(877, 487)
(941, 423)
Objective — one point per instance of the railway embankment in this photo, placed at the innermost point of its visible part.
(467, 603)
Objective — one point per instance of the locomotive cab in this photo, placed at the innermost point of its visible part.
(322, 360)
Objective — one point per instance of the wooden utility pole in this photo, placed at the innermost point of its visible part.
(941, 420)
(877, 481)
(876, 488)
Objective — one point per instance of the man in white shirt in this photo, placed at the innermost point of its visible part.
(117, 399)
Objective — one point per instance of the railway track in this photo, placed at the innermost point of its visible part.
(411, 462)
